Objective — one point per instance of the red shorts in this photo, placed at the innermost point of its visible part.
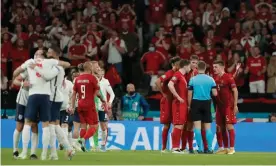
(225, 115)
(88, 116)
(165, 111)
(179, 112)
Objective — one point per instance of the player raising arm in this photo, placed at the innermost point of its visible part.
(166, 101)
(178, 87)
(227, 108)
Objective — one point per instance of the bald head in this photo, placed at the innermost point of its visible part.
(87, 67)
(95, 67)
(130, 89)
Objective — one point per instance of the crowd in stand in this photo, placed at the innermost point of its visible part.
(136, 39)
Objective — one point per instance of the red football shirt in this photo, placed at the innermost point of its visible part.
(225, 83)
(86, 86)
(161, 48)
(255, 65)
(153, 61)
(192, 73)
(79, 50)
(180, 85)
(165, 80)
(157, 11)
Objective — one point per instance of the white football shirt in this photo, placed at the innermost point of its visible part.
(105, 88)
(67, 90)
(56, 85)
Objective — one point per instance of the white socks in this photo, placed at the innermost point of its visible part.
(104, 137)
(25, 138)
(16, 135)
(91, 141)
(53, 139)
(45, 140)
(65, 130)
(70, 138)
(34, 143)
(61, 137)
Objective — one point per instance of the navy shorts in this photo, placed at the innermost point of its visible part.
(38, 105)
(20, 113)
(55, 111)
(102, 116)
(76, 117)
(64, 117)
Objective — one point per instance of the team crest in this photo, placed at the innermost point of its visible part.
(174, 78)
(20, 116)
(163, 76)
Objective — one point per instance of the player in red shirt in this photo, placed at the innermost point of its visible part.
(166, 101)
(178, 87)
(226, 108)
(86, 87)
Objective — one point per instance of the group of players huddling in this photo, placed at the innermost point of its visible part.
(46, 95)
(178, 108)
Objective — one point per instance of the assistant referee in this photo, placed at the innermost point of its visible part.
(199, 100)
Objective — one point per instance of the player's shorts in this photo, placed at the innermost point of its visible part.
(38, 105)
(165, 111)
(64, 117)
(201, 111)
(102, 116)
(76, 117)
(20, 113)
(55, 111)
(179, 112)
(88, 116)
(225, 115)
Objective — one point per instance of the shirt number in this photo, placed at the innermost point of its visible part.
(83, 91)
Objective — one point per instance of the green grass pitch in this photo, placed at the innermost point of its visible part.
(146, 158)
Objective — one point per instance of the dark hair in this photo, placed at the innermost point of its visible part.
(183, 62)
(201, 65)
(221, 63)
(174, 59)
(56, 49)
(80, 67)
(194, 57)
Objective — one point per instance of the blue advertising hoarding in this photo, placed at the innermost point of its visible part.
(137, 135)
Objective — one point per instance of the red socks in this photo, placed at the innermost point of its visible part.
(176, 135)
(232, 138)
(225, 138)
(90, 132)
(82, 133)
(204, 139)
(190, 139)
(184, 139)
(219, 139)
(164, 138)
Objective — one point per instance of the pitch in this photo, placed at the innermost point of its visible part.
(146, 158)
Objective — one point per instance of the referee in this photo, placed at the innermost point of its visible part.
(199, 100)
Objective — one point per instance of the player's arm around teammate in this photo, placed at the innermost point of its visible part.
(178, 87)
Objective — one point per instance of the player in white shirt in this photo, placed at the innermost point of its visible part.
(56, 99)
(21, 102)
(103, 117)
(39, 98)
(67, 90)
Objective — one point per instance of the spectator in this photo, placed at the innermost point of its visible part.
(248, 41)
(19, 54)
(236, 68)
(116, 48)
(185, 49)
(271, 74)
(153, 62)
(272, 117)
(272, 45)
(256, 67)
(132, 43)
(161, 42)
(6, 48)
(64, 36)
(91, 46)
(134, 106)
(77, 51)
(262, 39)
(4, 82)
(175, 17)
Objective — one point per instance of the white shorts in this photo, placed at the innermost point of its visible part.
(257, 86)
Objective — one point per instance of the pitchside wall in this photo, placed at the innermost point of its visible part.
(136, 135)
